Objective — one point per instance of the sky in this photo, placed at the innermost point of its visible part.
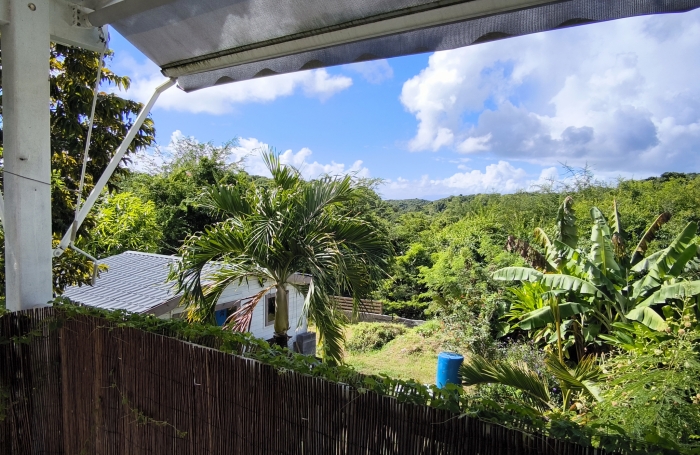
(621, 97)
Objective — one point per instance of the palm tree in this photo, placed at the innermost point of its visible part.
(277, 228)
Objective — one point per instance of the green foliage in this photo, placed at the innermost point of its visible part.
(603, 290)
(409, 310)
(477, 370)
(175, 187)
(371, 336)
(404, 285)
(124, 222)
(652, 385)
(429, 328)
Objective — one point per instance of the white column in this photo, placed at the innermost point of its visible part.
(27, 154)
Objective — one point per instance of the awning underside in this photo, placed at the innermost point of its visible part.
(212, 42)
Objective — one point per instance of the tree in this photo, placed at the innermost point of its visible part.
(72, 79)
(125, 222)
(276, 229)
(174, 186)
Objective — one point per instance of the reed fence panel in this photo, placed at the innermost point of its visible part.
(89, 387)
(366, 306)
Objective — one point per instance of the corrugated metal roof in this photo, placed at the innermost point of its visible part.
(135, 282)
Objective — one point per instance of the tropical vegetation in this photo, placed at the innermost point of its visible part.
(575, 305)
(273, 231)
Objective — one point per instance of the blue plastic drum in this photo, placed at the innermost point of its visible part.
(448, 369)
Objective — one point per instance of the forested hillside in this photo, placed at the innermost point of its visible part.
(446, 249)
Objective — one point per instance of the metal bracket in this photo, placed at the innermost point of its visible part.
(95, 264)
(80, 17)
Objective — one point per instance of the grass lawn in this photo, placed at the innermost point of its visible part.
(409, 356)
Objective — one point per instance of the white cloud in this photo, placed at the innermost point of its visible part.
(374, 72)
(501, 177)
(475, 144)
(248, 155)
(621, 96)
(249, 152)
(222, 99)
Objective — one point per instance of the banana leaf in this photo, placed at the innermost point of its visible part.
(675, 253)
(517, 274)
(648, 317)
(602, 253)
(618, 229)
(542, 238)
(686, 256)
(648, 236)
(590, 332)
(645, 264)
(569, 283)
(670, 263)
(598, 218)
(543, 316)
(580, 265)
(672, 291)
(566, 223)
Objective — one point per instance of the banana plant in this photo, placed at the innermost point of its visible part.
(608, 285)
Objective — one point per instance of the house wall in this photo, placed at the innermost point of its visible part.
(257, 325)
(258, 328)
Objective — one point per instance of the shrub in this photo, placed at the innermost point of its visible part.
(367, 336)
(652, 388)
(429, 329)
(408, 310)
(472, 327)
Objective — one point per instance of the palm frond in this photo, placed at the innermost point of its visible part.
(582, 379)
(227, 200)
(285, 176)
(478, 370)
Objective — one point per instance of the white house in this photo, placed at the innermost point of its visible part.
(137, 282)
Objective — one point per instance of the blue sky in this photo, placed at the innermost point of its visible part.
(622, 97)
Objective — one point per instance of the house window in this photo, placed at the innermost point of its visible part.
(223, 314)
(270, 302)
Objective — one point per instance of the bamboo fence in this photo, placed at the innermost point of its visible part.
(89, 387)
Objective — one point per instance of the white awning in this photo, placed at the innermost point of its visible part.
(210, 42)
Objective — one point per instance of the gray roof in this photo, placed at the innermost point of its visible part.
(135, 282)
(211, 42)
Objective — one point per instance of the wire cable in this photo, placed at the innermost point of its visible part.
(100, 66)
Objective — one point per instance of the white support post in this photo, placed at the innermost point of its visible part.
(2, 209)
(111, 167)
(27, 154)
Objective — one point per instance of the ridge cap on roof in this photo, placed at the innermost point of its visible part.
(175, 258)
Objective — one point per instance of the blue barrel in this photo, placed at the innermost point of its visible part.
(448, 369)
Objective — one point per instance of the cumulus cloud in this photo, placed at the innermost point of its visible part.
(621, 95)
(249, 154)
(500, 177)
(222, 99)
(374, 72)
